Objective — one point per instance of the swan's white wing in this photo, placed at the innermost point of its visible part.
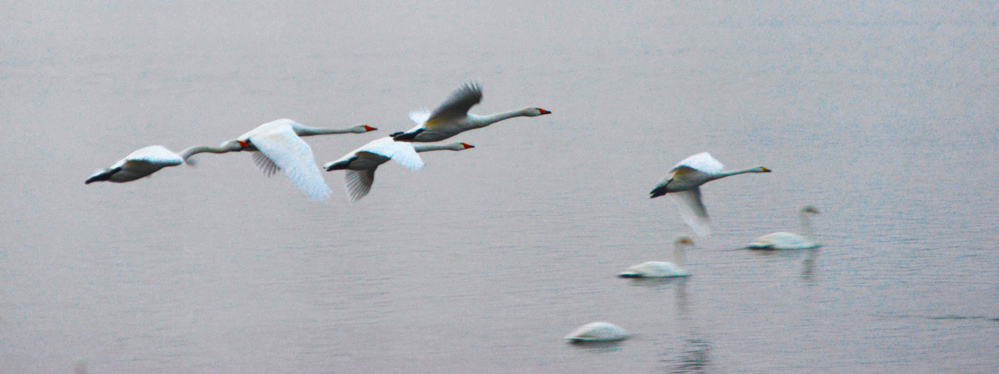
(358, 183)
(456, 106)
(420, 116)
(597, 331)
(692, 210)
(654, 269)
(290, 153)
(702, 162)
(155, 154)
(402, 152)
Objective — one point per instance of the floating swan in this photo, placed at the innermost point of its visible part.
(452, 117)
(277, 146)
(659, 269)
(362, 162)
(597, 332)
(683, 182)
(137, 165)
(787, 240)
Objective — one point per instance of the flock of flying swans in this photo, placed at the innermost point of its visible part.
(278, 145)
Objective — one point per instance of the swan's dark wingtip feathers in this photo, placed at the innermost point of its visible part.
(657, 192)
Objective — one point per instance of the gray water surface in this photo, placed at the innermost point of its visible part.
(882, 115)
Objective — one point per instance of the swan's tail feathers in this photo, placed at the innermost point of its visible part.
(103, 175)
(661, 189)
(339, 165)
(407, 136)
(658, 191)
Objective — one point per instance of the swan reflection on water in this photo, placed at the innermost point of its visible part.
(693, 358)
(693, 355)
(808, 266)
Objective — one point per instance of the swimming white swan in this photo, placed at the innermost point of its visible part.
(277, 146)
(787, 240)
(683, 182)
(659, 269)
(597, 332)
(138, 164)
(452, 117)
(362, 162)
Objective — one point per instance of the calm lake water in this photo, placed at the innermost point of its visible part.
(881, 115)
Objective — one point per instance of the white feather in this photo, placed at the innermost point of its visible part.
(702, 162)
(597, 332)
(420, 116)
(400, 152)
(692, 210)
(290, 153)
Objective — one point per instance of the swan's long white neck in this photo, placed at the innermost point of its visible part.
(438, 147)
(483, 121)
(312, 131)
(224, 148)
(737, 172)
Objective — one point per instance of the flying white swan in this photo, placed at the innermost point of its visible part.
(452, 117)
(277, 146)
(138, 164)
(597, 332)
(683, 182)
(362, 162)
(787, 240)
(659, 269)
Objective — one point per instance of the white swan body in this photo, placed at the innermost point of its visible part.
(362, 162)
(597, 332)
(278, 145)
(682, 186)
(137, 165)
(659, 269)
(452, 117)
(787, 240)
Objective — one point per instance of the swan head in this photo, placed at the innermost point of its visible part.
(360, 129)
(462, 146)
(762, 169)
(683, 240)
(810, 209)
(534, 112)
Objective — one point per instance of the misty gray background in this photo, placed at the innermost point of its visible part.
(882, 114)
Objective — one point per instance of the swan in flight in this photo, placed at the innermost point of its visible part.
(787, 240)
(138, 164)
(277, 146)
(597, 332)
(452, 117)
(683, 186)
(659, 269)
(362, 162)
